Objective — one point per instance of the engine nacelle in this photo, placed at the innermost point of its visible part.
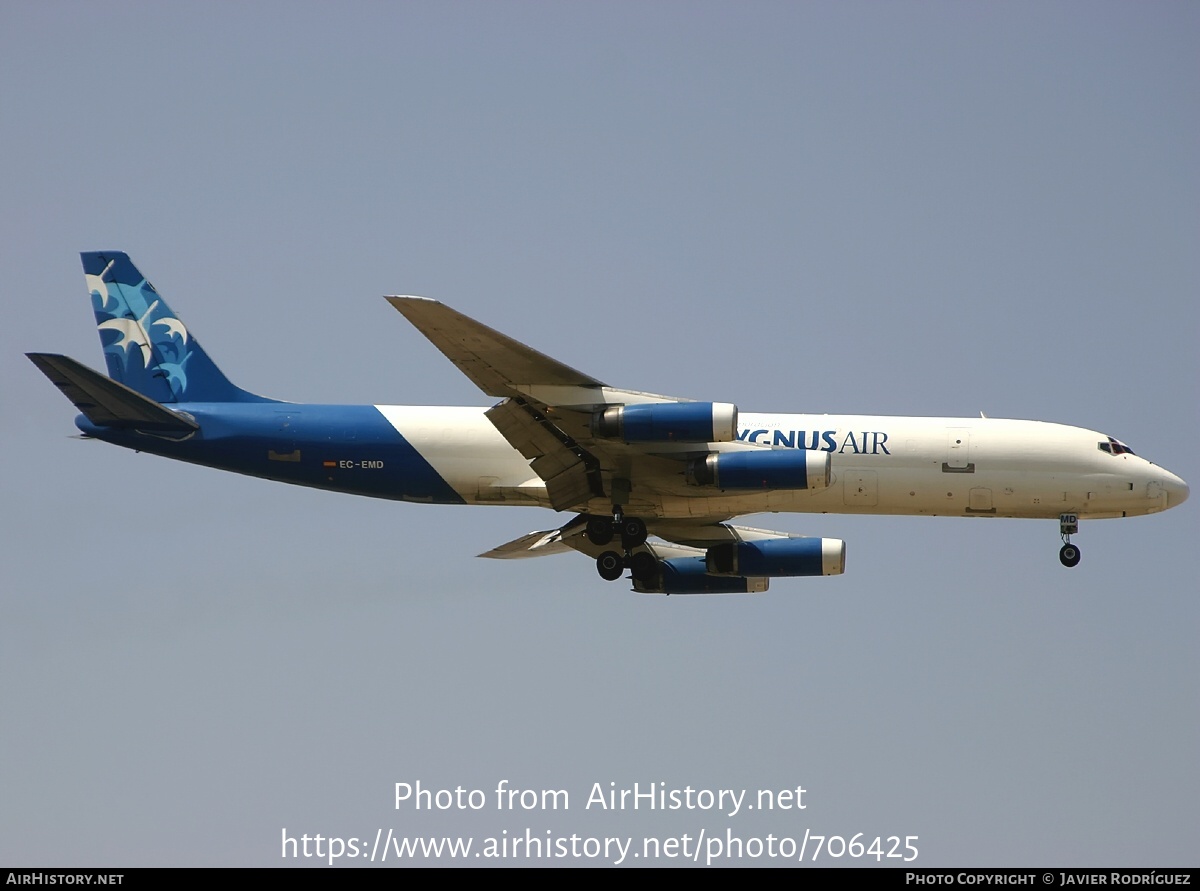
(775, 557)
(668, 422)
(689, 575)
(761, 469)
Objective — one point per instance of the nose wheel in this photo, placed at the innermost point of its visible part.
(1068, 554)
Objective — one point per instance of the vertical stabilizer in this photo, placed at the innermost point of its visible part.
(146, 346)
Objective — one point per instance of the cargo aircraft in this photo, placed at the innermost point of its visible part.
(649, 482)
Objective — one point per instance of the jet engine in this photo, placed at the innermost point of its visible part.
(761, 469)
(668, 422)
(688, 575)
(774, 557)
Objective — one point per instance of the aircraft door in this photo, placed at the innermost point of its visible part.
(958, 451)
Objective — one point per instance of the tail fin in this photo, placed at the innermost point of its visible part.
(145, 345)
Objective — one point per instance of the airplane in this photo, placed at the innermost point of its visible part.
(650, 482)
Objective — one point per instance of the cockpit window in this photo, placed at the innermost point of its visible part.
(1114, 447)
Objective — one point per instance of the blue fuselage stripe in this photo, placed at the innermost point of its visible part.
(345, 448)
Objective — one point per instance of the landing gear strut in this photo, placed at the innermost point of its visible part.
(1068, 525)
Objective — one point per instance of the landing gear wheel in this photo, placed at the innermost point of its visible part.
(610, 566)
(1069, 555)
(599, 530)
(633, 533)
(643, 566)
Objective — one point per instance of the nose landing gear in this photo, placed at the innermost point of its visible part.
(1068, 525)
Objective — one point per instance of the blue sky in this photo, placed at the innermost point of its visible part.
(909, 208)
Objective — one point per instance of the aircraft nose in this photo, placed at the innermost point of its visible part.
(1176, 489)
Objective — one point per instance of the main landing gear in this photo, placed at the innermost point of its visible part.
(632, 530)
(610, 566)
(1068, 525)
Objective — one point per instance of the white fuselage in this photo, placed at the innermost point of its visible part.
(879, 464)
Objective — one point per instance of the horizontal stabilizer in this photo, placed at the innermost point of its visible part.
(106, 402)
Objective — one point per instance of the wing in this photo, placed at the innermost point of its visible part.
(595, 446)
(674, 464)
(495, 363)
(540, 544)
(683, 563)
(548, 408)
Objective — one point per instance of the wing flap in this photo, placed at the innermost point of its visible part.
(571, 473)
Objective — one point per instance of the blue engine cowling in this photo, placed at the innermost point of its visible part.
(775, 557)
(668, 422)
(761, 469)
(689, 575)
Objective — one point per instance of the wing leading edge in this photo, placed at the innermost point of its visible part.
(494, 362)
